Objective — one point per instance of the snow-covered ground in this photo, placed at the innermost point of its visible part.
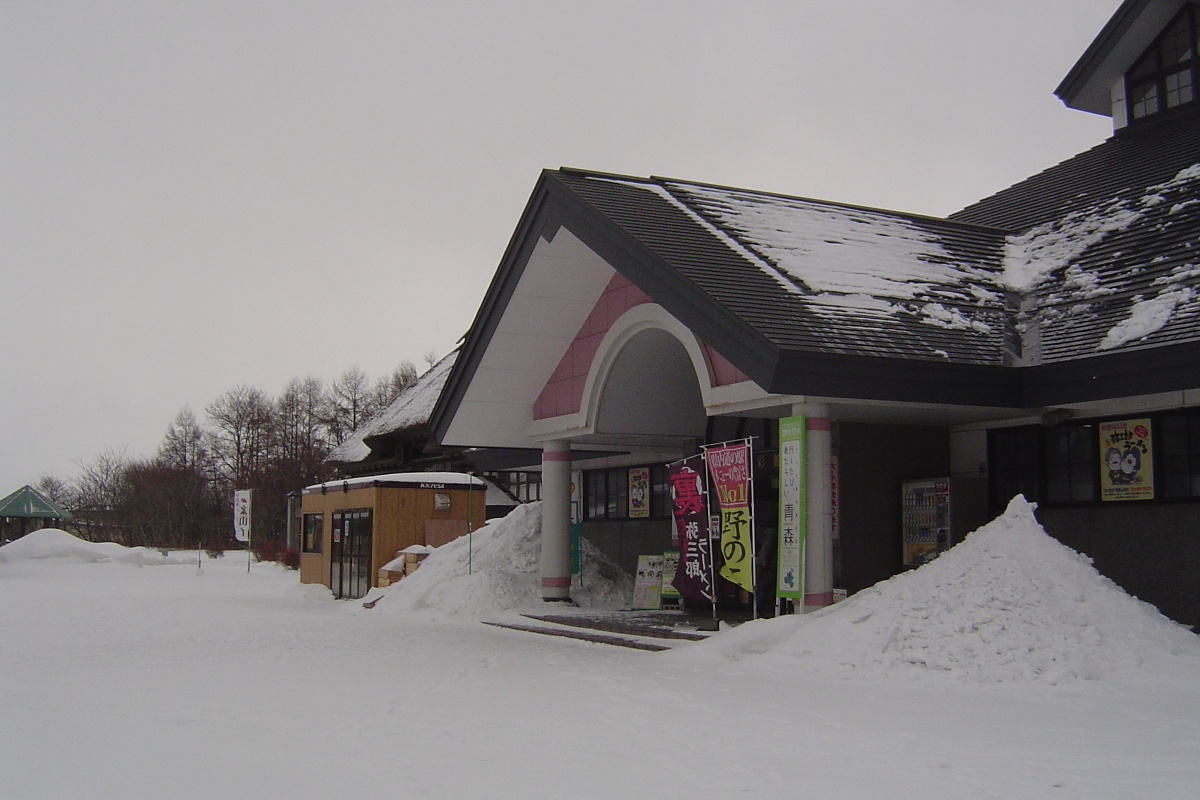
(1006, 669)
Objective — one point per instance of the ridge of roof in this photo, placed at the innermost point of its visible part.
(666, 182)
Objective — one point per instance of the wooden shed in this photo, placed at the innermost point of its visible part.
(351, 528)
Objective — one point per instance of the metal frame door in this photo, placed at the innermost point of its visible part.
(350, 553)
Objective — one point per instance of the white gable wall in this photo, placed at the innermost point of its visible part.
(556, 292)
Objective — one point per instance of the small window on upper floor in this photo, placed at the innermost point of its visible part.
(1164, 78)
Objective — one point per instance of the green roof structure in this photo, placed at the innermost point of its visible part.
(28, 503)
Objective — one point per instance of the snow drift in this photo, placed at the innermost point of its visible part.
(57, 544)
(1009, 603)
(496, 570)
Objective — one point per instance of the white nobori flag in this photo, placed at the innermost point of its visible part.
(241, 515)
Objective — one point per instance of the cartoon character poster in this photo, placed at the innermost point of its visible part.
(639, 492)
(1126, 460)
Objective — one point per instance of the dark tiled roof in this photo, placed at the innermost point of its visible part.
(1118, 229)
(798, 271)
(1126, 163)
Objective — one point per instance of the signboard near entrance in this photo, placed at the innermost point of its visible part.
(647, 584)
(791, 509)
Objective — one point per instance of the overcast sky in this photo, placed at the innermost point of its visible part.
(200, 195)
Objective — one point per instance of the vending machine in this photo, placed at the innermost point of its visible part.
(937, 513)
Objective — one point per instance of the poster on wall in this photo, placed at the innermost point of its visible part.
(647, 584)
(639, 492)
(729, 468)
(1126, 463)
(689, 509)
(791, 509)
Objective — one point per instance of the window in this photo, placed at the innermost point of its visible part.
(606, 493)
(1016, 464)
(313, 526)
(1051, 465)
(1179, 443)
(660, 492)
(1071, 464)
(525, 486)
(1164, 77)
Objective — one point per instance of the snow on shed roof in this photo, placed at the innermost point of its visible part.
(399, 479)
(411, 408)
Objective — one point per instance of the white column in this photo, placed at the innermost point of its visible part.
(556, 521)
(818, 549)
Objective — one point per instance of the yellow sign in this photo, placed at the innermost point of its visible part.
(1126, 460)
(729, 466)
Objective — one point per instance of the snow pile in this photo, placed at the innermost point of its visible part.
(1008, 604)
(57, 544)
(496, 570)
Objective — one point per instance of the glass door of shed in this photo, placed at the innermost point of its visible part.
(350, 553)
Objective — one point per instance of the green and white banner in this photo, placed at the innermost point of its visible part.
(792, 491)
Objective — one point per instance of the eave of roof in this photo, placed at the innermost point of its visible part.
(1126, 35)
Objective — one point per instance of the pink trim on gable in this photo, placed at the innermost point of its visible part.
(563, 393)
(724, 373)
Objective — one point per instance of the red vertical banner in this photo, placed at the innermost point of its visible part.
(729, 466)
(689, 507)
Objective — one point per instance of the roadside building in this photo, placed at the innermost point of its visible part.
(1044, 341)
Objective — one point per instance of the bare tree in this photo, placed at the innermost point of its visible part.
(55, 488)
(349, 404)
(97, 496)
(242, 419)
(388, 388)
(301, 444)
(185, 444)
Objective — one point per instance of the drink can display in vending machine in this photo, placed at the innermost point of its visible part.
(937, 513)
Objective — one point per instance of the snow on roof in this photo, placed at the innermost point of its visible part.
(405, 478)
(411, 408)
(842, 250)
(1033, 256)
(1111, 273)
(847, 257)
(1007, 604)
